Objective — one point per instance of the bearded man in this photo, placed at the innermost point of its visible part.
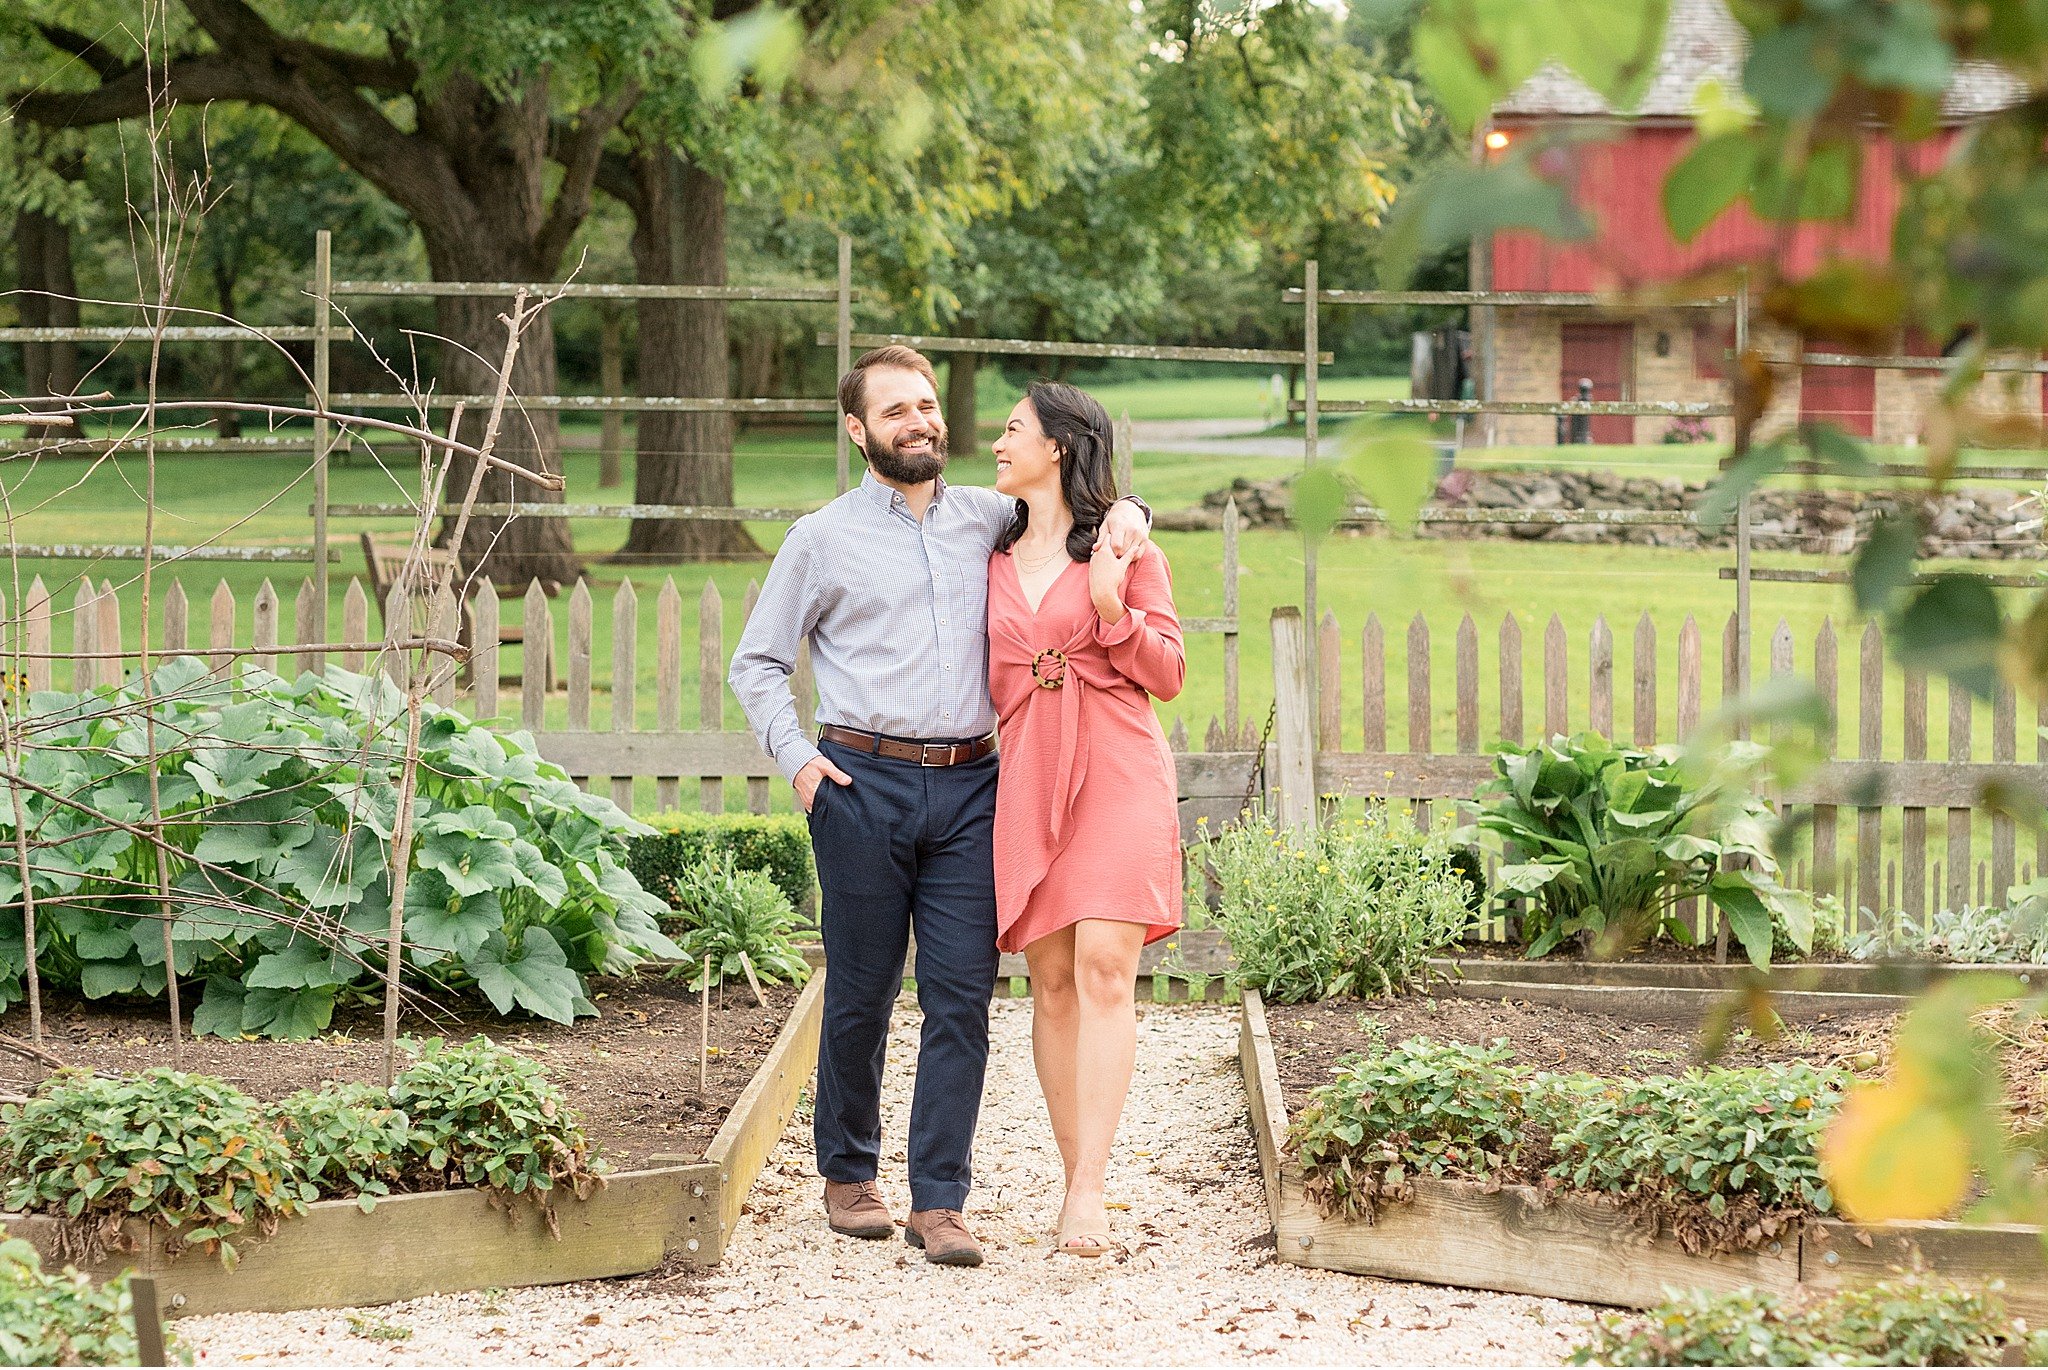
(889, 584)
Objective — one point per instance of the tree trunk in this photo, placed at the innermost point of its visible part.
(679, 239)
(502, 160)
(960, 372)
(227, 375)
(48, 299)
(611, 378)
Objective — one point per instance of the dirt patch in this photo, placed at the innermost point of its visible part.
(631, 1073)
(1309, 1039)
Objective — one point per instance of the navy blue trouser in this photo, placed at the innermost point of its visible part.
(905, 846)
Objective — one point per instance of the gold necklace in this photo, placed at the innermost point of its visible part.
(1042, 562)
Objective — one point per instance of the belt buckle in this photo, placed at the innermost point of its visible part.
(924, 755)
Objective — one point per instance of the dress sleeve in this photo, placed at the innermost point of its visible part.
(1145, 644)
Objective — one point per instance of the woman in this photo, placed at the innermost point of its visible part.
(1087, 836)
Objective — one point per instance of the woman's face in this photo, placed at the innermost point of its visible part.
(1026, 458)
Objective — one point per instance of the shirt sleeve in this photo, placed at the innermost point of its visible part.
(1145, 644)
(993, 511)
(783, 617)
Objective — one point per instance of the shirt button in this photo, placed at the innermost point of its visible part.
(949, 665)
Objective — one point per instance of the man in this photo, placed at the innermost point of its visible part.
(889, 583)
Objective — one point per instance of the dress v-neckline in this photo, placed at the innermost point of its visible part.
(1017, 571)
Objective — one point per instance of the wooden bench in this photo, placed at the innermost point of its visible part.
(386, 560)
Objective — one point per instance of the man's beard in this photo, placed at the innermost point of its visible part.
(893, 465)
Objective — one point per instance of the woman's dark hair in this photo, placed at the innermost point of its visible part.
(1079, 426)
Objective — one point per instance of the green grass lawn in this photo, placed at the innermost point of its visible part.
(263, 499)
(1230, 392)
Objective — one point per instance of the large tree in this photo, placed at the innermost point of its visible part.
(1220, 139)
(445, 109)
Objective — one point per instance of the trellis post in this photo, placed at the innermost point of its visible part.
(1310, 339)
(323, 298)
(843, 345)
(1742, 609)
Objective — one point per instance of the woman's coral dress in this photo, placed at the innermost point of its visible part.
(1087, 807)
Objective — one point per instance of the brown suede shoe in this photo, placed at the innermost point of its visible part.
(943, 1237)
(857, 1210)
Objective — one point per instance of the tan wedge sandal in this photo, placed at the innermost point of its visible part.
(1070, 1239)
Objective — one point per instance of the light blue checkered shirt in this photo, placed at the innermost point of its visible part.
(897, 616)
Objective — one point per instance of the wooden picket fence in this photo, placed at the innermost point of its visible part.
(1873, 860)
(596, 728)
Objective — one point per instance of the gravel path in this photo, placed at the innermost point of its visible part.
(1199, 1286)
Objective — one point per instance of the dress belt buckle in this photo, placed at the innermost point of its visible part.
(924, 754)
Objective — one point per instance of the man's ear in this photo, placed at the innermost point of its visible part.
(857, 431)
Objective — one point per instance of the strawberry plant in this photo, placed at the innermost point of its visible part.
(1609, 840)
(279, 799)
(1728, 1158)
(481, 1115)
(1910, 1320)
(188, 1151)
(64, 1318)
(347, 1141)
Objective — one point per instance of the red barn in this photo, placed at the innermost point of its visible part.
(1617, 164)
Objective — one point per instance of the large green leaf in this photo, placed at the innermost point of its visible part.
(470, 865)
(537, 979)
(1460, 202)
(220, 1010)
(1953, 624)
(1885, 560)
(303, 964)
(1786, 74)
(292, 1014)
(1526, 877)
(1735, 894)
(1711, 177)
(455, 924)
(1742, 476)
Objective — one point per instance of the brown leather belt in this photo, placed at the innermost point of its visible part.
(923, 753)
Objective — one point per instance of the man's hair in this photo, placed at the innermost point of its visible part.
(853, 386)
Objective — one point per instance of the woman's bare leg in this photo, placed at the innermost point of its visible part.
(1105, 974)
(1055, 1017)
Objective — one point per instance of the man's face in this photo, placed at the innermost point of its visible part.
(901, 434)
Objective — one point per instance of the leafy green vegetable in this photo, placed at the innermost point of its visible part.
(279, 799)
(64, 1318)
(1354, 907)
(1611, 839)
(739, 919)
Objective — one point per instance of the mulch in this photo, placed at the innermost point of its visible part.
(631, 1073)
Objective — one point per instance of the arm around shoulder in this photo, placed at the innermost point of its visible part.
(1145, 644)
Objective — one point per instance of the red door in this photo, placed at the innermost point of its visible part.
(1603, 353)
(1845, 396)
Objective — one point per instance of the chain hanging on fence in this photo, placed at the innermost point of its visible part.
(1256, 785)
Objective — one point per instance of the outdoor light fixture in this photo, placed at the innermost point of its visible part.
(1496, 140)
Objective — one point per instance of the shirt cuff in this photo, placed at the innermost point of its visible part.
(796, 754)
(1143, 508)
(1123, 630)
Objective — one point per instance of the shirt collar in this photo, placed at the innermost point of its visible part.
(886, 496)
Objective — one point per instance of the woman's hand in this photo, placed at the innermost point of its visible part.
(1106, 572)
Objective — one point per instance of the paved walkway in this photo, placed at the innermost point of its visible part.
(1199, 1286)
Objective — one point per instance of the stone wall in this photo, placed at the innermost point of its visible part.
(1993, 523)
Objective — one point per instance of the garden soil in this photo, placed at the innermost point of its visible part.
(631, 1072)
(1310, 1039)
(1197, 1285)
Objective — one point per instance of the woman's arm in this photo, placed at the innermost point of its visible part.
(1145, 644)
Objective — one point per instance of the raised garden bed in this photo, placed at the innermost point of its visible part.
(1683, 992)
(1517, 1239)
(683, 1163)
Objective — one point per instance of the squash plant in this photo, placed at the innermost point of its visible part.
(1612, 839)
(279, 799)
